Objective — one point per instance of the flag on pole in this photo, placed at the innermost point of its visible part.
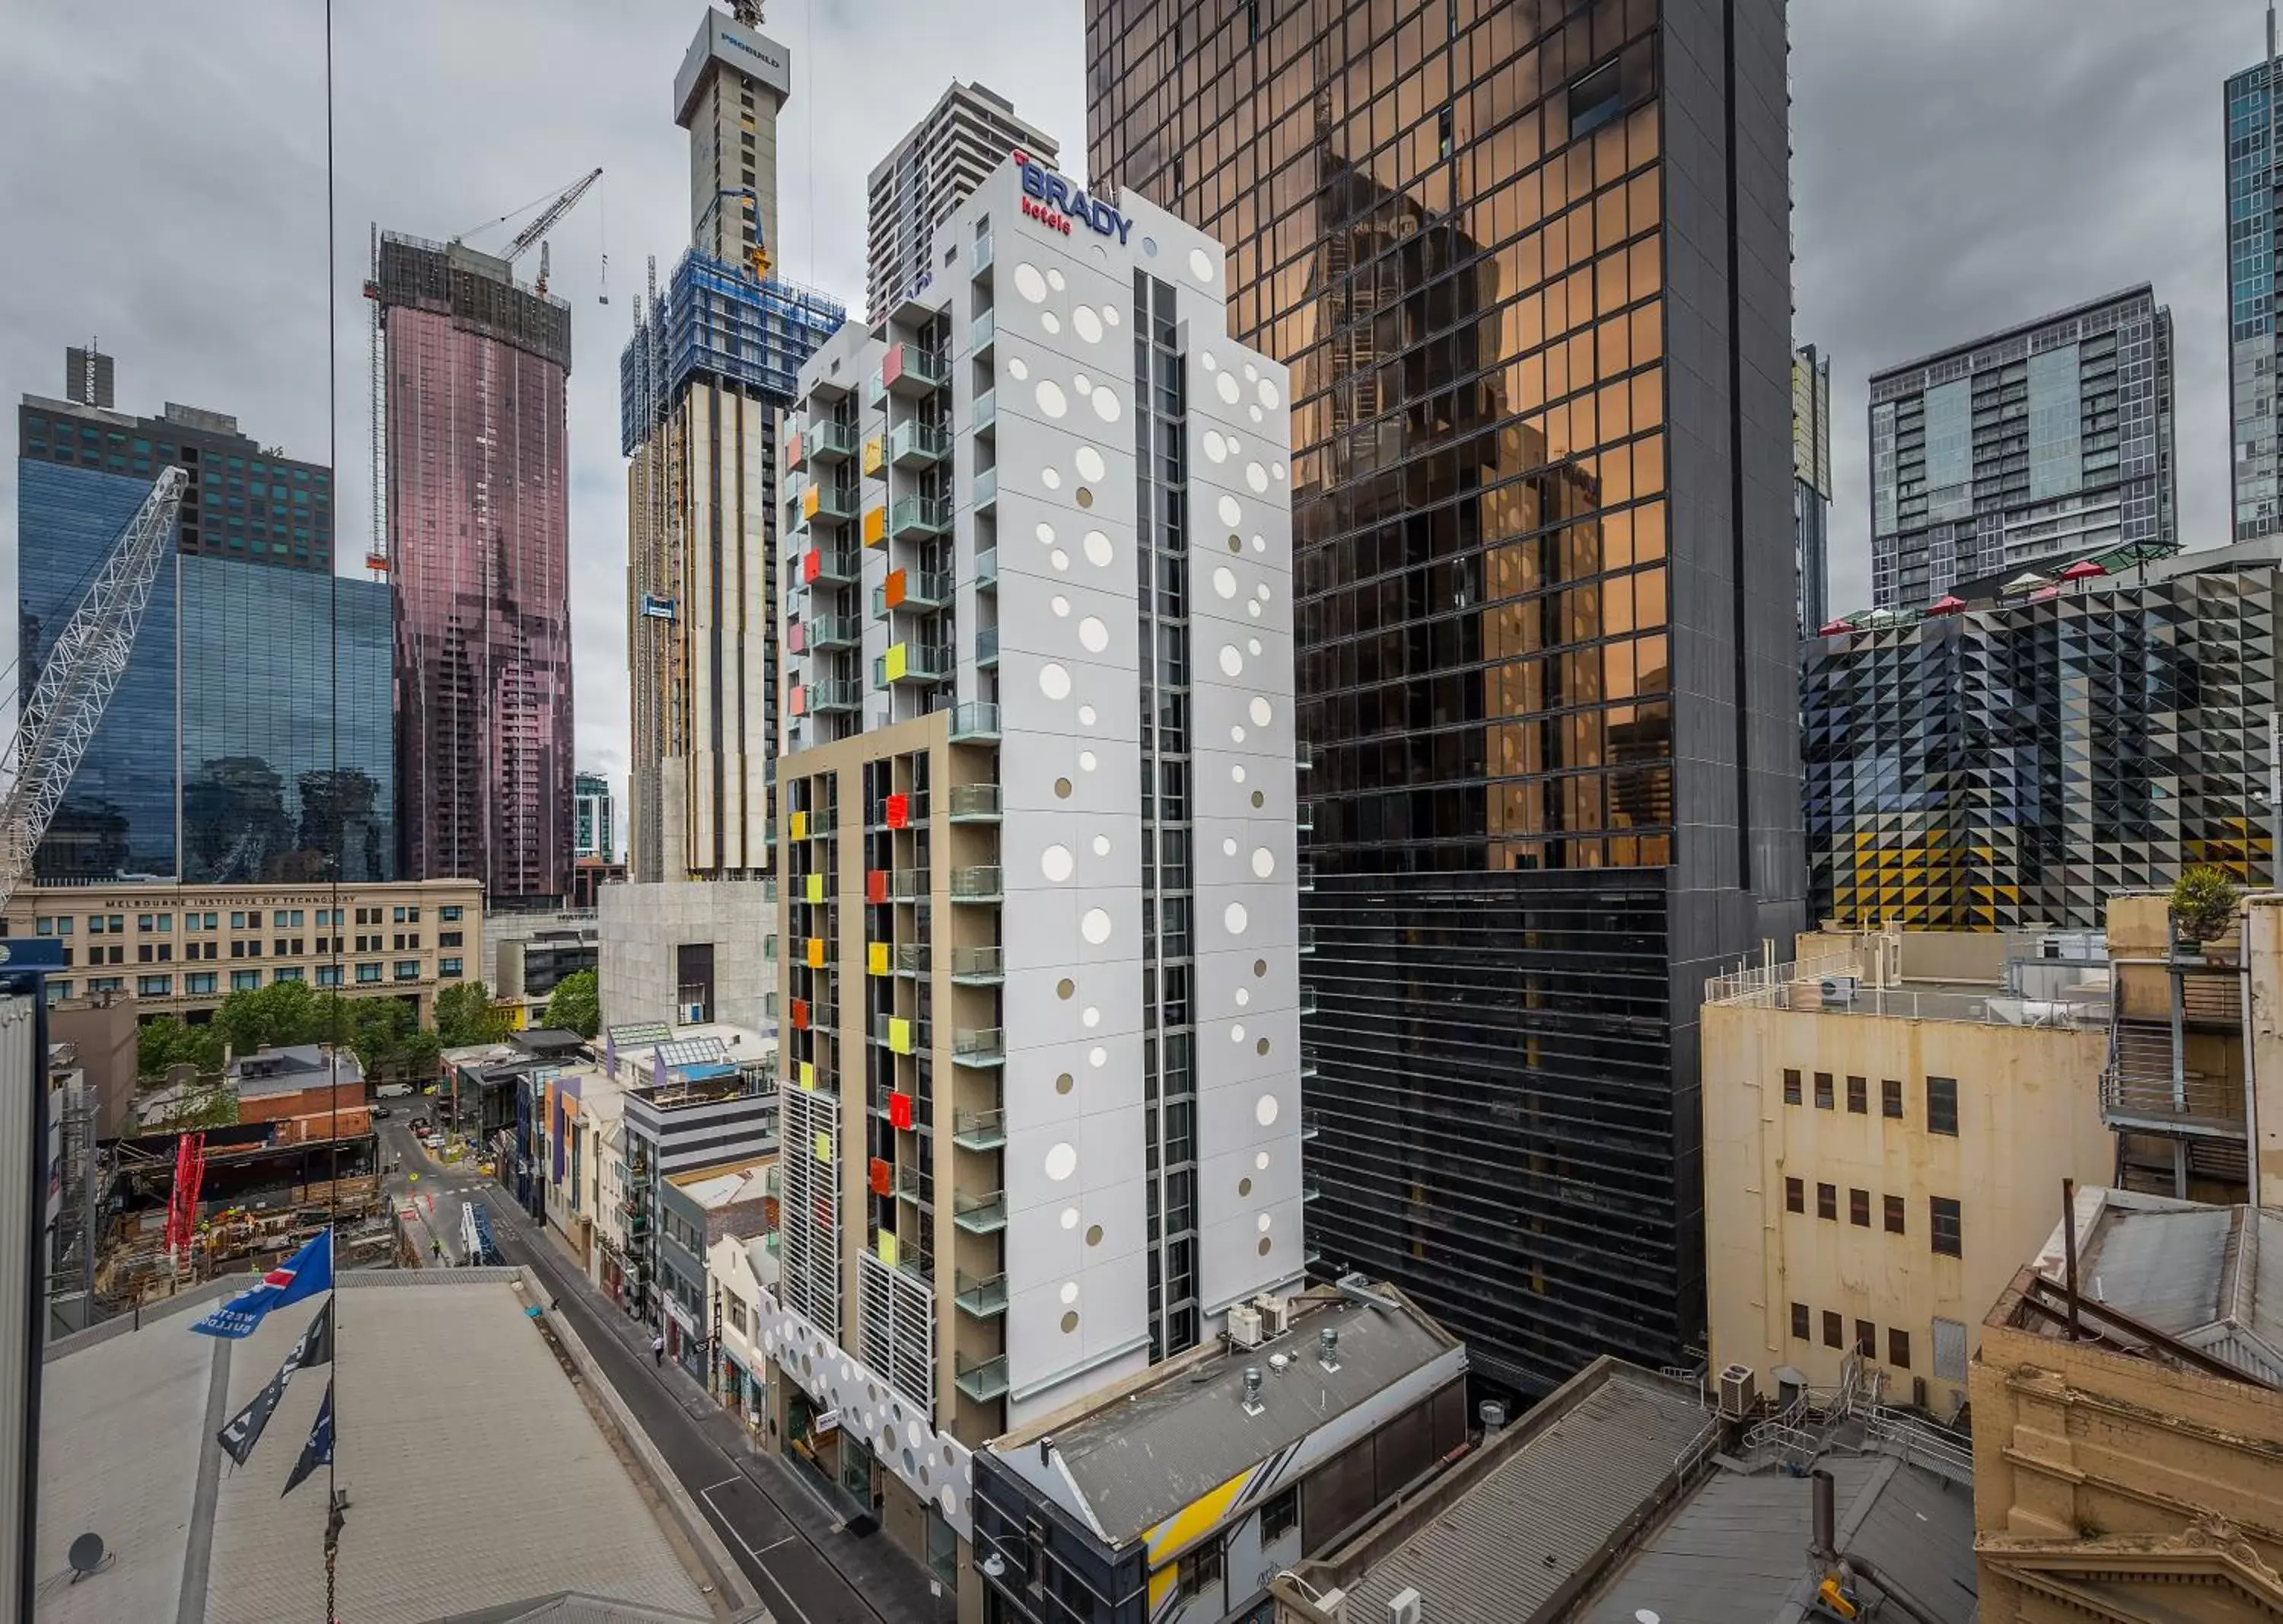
(318, 1450)
(305, 1273)
(245, 1429)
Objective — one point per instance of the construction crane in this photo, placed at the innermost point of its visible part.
(759, 251)
(78, 677)
(746, 11)
(564, 202)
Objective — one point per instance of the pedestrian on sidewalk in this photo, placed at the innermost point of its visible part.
(657, 1349)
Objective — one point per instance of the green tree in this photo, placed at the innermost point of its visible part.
(269, 1016)
(167, 1040)
(464, 1015)
(576, 1003)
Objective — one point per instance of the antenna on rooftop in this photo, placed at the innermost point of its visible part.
(87, 1556)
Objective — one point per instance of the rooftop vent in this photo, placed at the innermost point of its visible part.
(1252, 1404)
(1328, 1348)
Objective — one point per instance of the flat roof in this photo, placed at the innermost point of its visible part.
(126, 1419)
(2052, 318)
(1144, 1449)
(725, 1185)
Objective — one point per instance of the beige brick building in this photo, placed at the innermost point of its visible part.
(180, 949)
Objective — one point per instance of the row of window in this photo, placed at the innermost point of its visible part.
(205, 983)
(1866, 1335)
(1946, 1224)
(1941, 1099)
(241, 919)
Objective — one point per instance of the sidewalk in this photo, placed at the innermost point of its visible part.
(892, 1584)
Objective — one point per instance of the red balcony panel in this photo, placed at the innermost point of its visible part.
(899, 811)
(800, 1014)
(876, 884)
(884, 1177)
(900, 1110)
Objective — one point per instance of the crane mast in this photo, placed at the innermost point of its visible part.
(78, 677)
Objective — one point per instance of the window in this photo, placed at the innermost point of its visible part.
(1949, 1351)
(1201, 1570)
(1946, 1226)
(1894, 1215)
(244, 981)
(1795, 1195)
(1835, 1329)
(1791, 1087)
(58, 991)
(407, 969)
(1858, 1097)
(1823, 1090)
(201, 982)
(448, 967)
(154, 985)
(1942, 1105)
(1859, 1209)
(1799, 1325)
(288, 973)
(400, 915)
(1827, 1201)
(1890, 1098)
(448, 913)
(448, 939)
(1280, 1515)
(329, 975)
(107, 984)
(1898, 1348)
(367, 974)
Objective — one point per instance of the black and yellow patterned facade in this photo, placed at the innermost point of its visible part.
(2015, 763)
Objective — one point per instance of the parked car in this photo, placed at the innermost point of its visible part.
(381, 1113)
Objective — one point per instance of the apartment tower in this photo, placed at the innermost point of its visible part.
(479, 547)
(966, 135)
(711, 364)
(1545, 591)
(1042, 1060)
(1811, 483)
(2248, 126)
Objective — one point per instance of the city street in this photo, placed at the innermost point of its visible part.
(777, 1529)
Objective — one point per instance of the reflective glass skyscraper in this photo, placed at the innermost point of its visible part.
(1528, 263)
(2249, 129)
(478, 541)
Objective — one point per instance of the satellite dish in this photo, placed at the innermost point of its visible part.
(87, 1556)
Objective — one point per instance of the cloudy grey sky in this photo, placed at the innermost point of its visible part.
(1960, 165)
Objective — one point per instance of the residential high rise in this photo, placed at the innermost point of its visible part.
(2015, 761)
(593, 816)
(250, 738)
(1810, 482)
(2025, 450)
(1544, 613)
(712, 362)
(1039, 871)
(2248, 123)
(966, 135)
(478, 545)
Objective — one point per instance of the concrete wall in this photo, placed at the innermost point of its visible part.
(642, 925)
(2029, 1116)
(2095, 1466)
(103, 1037)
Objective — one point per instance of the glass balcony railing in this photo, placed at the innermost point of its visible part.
(984, 416)
(974, 723)
(983, 883)
(909, 369)
(978, 1130)
(983, 330)
(979, 1045)
(833, 694)
(911, 958)
(906, 885)
(926, 591)
(987, 646)
(1304, 875)
(979, 966)
(833, 566)
(1304, 818)
(1307, 939)
(976, 803)
(986, 567)
(982, 1298)
(921, 664)
(834, 631)
(986, 489)
(829, 441)
(982, 1380)
(1304, 755)
(1307, 1000)
(1311, 1124)
(980, 1215)
(917, 518)
(917, 445)
(1307, 1061)
(982, 258)
(830, 502)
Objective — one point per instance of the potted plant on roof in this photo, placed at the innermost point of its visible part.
(2203, 905)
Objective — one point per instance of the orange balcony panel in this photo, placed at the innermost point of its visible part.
(893, 591)
(875, 526)
(876, 884)
(882, 1177)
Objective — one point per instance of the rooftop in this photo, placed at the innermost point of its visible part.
(2207, 1279)
(197, 1539)
(2069, 992)
(290, 1070)
(725, 1185)
(1138, 1452)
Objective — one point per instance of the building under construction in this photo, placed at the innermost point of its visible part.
(473, 368)
(713, 360)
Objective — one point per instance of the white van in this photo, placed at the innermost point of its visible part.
(394, 1090)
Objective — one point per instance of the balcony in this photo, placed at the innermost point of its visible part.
(978, 1130)
(986, 567)
(1307, 1062)
(907, 886)
(976, 803)
(917, 445)
(986, 489)
(980, 1215)
(834, 567)
(911, 371)
(911, 958)
(976, 722)
(984, 415)
(916, 591)
(912, 662)
(983, 330)
(987, 647)
(832, 694)
(979, 966)
(1304, 756)
(907, 1184)
(1310, 1190)
(983, 883)
(1311, 1124)
(1304, 818)
(981, 1380)
(1304, 875)
(834, 631)
(982, 1298)
(980, 1046)
(981, 272)
(1307, 939)
(915, 518)
(828, 504)
(1307, 1000)
(829, 442)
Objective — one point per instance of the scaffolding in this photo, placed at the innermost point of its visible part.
(717, 321)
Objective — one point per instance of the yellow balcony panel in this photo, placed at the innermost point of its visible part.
(888, 1248)
(876, 454)
(816, 952)
(875, 526)
(823, 1148)
(808, 1074)
(900, 1034)
(899, 661)
(816, 891)
(800, 825)
(809, 500)
(876, 958)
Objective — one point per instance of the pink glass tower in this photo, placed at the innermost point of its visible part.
(478, 544)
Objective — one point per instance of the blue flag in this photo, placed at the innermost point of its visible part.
(305, 1273)
(318, 1450)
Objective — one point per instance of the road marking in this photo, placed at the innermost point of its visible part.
(710, 1488)
(776, 1583)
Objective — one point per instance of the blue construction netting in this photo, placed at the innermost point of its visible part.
(716, 320)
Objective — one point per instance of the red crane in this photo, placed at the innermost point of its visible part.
(182, 1202)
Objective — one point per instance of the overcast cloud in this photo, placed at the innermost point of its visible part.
(1960, 165)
